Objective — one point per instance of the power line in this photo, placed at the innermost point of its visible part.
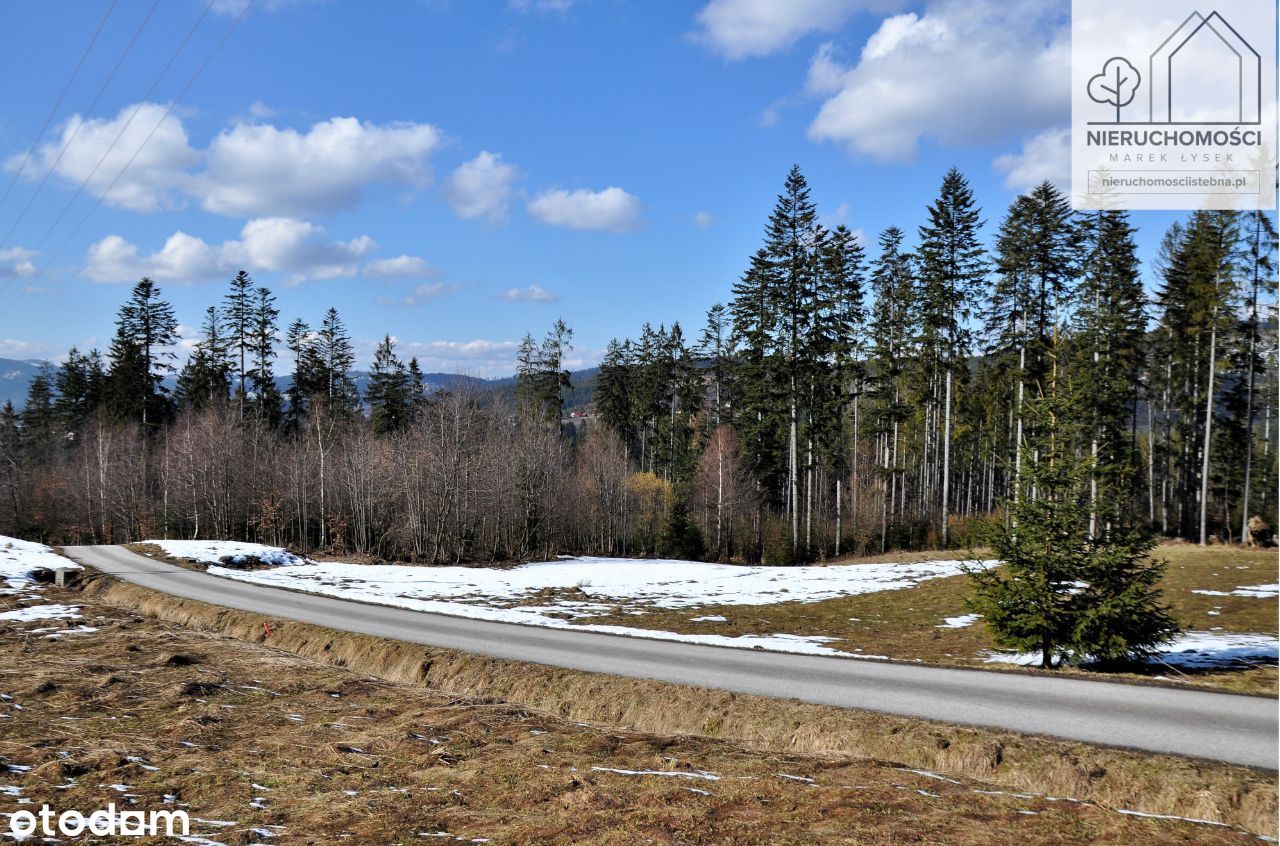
(212, 53)
(125, 128)
(81, 124)
(52, 112)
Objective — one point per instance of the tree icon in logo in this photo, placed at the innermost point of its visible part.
(1116, 85)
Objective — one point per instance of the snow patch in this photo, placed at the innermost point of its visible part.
(959, 622)
(1129, 813)
(1192, 650)
(1254, 591)
(48, 611)
(218, 552)
(697, 774)
(19, 559)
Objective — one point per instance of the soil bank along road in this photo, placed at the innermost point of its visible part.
(1216, 726)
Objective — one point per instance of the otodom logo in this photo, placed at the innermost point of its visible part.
(1176, 108)
(106, 822)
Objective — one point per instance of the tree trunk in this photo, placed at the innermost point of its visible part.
(946, 460)
(1151, 464)
(1248, 415)
(793, 472)
(1208, 434)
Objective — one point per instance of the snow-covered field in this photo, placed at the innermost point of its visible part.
(553, 593)
(660, 583)
(18, 560)
(1191, 651)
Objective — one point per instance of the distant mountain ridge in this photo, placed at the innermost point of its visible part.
(16, 376)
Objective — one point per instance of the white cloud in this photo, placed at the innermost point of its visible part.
(249, 170)
(612, 209)
(482, 187)
(703, 219)
(825, 73)
(420, 294)
(531, 294)
(400, 267)
(1046, 155)
(474, 358)
(296, 248)
(30, 350)
(742, 28)
(16, 261)
(964, 72)
(261, 111)
(839, 217)
(257, 169)
(154, 181)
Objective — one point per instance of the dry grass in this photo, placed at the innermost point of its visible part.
(244, 694)
(904, 624)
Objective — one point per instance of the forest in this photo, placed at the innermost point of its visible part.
(914, 392)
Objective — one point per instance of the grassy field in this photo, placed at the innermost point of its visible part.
(905, 624)
(263, 746)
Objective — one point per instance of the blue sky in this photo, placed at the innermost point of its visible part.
(459, 173)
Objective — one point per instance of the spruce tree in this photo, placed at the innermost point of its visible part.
(240, 318)
(838, 372)
(1213, 266)
(79, 386)
(1030, 602)
(541, 378)
(417, 389)
(266, 401)
(39, 418)
(205, 379)
(389, 395)
(337, 356)
(715, 347)
(614, 394)
(1260, 234)
(141, 357)
(308, 371)
(681, 538)
(1062, 590)
(1110, 343)
(793, 238)
(761, 417)
(953, 268)
(11, 467)
(892, 330)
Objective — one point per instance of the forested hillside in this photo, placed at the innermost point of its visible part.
(847, 397)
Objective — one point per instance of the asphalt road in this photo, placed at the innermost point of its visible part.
(1215, 726)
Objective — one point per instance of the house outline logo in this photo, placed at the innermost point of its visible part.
(1118, 83)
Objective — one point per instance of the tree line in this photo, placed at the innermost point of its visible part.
(878, 397)
(848, 397)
